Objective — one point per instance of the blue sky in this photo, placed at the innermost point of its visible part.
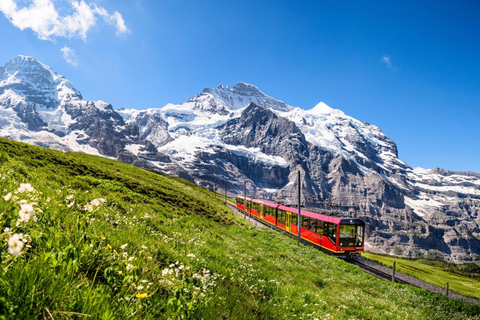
(410, 67)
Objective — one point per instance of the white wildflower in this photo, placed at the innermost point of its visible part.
(15, 244)
(191, 255)
(129, 266)
(124, 246)
(8, 196)
(97, 202)
(25, 187)
(26, 210)
(166, 271)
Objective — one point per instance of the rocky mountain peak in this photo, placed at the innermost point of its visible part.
(37, 82)
(247, 89)
(239, 96)
(323, 108)
(24, 68)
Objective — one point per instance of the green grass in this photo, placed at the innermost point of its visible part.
(433, 272)
(111, 241)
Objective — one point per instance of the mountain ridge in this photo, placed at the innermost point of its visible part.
(236, 134)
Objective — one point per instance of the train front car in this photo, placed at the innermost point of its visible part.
(343, 237)
(351, 236)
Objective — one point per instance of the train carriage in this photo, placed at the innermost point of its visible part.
(338, 236)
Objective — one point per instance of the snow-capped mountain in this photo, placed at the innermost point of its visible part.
(238, 134)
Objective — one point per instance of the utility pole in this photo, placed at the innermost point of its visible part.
(244, 199)
(299, 210)
(393, 274)
(226, 184)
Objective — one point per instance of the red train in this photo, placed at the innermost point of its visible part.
(337, 236)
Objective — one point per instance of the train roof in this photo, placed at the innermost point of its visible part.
(305, 213)
(314, 215)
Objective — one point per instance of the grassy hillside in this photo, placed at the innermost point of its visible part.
(86, 237)
(437, 273)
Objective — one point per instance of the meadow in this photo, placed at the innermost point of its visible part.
(85, 237)
(434, 272)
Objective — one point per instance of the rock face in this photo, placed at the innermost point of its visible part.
(239, 134)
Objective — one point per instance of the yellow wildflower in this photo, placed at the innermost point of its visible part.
(109, 246)
(141, 295)
(103, 238)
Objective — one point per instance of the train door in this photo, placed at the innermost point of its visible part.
(261, 212)
(288, 223)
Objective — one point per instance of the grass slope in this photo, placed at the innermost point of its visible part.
(105, 240)
(433, 272)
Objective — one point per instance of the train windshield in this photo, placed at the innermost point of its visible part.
(351, 235)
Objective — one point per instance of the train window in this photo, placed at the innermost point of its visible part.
(268, 210)
(351, 235)
(319, 227)
(293, 219)
(305, 222)
(330, 230)
(313, 223)
(282, 216)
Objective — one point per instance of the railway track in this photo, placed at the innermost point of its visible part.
(376, 272)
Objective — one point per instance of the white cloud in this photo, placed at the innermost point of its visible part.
(69, 55)
(43, 18)
(388, 62)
